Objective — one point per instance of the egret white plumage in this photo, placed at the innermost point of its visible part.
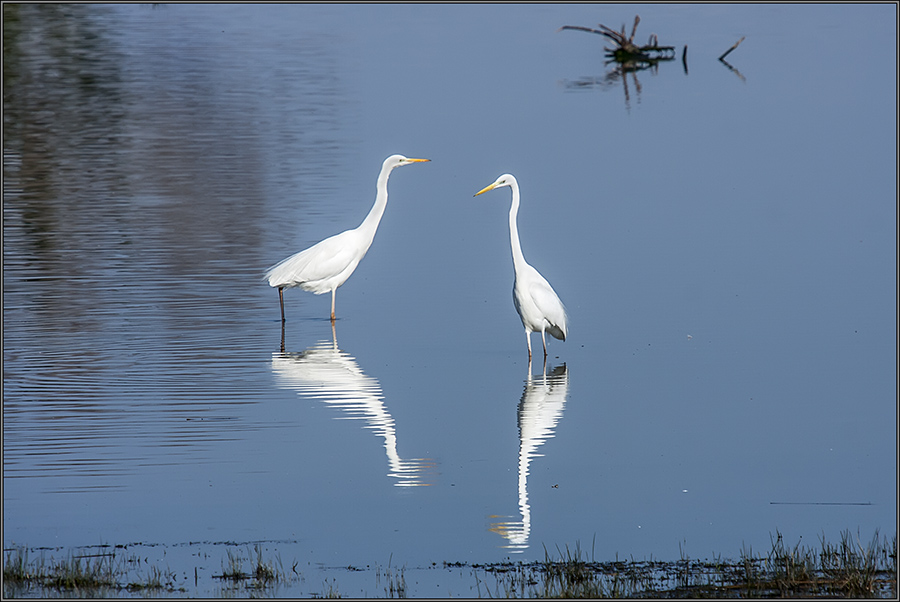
(535, 300)
(327, 264)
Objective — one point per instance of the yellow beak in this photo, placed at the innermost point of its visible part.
(491, 187)
(418, 160)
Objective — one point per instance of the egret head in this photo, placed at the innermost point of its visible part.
(504, 180)
(398, 160)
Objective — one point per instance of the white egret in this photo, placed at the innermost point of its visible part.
(327, 264)
(536, 301)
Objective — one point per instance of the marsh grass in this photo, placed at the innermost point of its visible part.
(571, 577)
(82, 574)
(233, 571)
(156, 580)
(263, 574)
(395, 581)
(848, 569)
(331, 590)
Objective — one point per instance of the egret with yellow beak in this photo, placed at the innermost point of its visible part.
(326, 265)
(535, 300)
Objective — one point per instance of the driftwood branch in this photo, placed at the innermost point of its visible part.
(626, 50)
(628, 53)
(727, 52)
(580, 28)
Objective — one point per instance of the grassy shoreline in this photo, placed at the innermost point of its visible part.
(849, 568)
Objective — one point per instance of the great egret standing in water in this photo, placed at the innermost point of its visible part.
(536, 301)
(326, 265)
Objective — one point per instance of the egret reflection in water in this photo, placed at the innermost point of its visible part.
(541, 407)
(326, 373)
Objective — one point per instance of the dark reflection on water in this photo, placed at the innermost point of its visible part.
(540, 409)
(326, 373)
(136, 203)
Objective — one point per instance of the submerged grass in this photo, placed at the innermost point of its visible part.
(395, 586)
(262, 575)
(849, 568)
(86, 574)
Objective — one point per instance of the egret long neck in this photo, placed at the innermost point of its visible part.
(370, 224)
(518, 258)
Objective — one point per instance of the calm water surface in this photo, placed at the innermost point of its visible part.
(724, 237)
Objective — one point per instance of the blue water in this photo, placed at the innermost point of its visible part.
(723, 236)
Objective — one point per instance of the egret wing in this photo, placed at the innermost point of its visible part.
(326, 259)
(549, 305)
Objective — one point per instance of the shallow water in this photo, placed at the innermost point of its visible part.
(723, 237)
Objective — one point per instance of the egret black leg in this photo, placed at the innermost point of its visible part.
(281, 301)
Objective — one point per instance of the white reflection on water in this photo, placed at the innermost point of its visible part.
(541, 407)
(326, 373)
